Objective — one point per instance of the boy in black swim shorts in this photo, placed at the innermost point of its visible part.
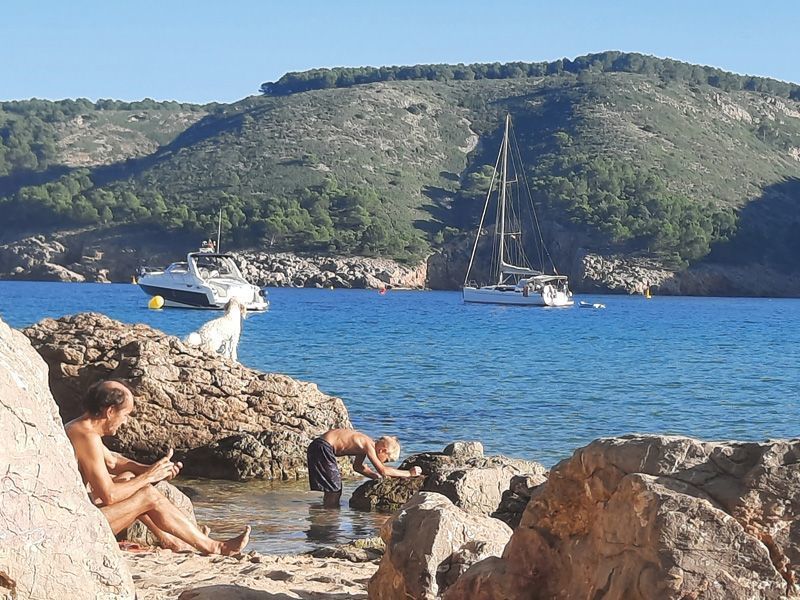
(323, 471)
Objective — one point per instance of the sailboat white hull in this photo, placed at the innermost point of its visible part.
(514, 296)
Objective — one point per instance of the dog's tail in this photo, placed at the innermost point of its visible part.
(193, 339)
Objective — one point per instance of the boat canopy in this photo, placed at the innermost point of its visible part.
(545, 278)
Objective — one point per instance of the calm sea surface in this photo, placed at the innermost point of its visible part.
(528, 382)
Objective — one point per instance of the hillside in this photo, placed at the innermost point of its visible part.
(626, 154)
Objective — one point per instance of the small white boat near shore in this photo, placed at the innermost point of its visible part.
(595, 305)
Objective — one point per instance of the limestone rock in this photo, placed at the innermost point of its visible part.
(655, 517)
(478, 485)
(516, 497)
(470, 480)
(267, 455)
(53, 542)
(139, 534)
(287, 269)
(427, 539)
(185, 398)
(464, 450)
(385, 495)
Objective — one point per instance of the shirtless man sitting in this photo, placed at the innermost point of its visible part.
(323, 471)
(123, 488)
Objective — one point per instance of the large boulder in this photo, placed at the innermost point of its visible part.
(655, 517)
(429, 542)
(185, 398)
(53, 542)
(471, 481)
(478, 484)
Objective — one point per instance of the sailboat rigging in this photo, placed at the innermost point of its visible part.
(513, 279)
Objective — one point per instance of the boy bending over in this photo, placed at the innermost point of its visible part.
(323, 471)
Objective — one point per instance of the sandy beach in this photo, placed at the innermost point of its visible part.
(163, 574)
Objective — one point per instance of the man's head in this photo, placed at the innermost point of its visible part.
(387, 448)
(110, 401)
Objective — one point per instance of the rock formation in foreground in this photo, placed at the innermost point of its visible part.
(53, 542)
(429, 543)
(185, 398)
(642, 517)
(471, 481)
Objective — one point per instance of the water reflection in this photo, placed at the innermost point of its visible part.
(285, 517)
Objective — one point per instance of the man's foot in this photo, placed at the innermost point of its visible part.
(235, 545)
(170, 542)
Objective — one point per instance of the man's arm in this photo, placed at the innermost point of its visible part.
(91, 460)
(118, 464)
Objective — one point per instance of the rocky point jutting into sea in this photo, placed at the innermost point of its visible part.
(633, 517)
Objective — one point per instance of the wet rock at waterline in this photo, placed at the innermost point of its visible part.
(643, 517)
(471, 481)
(53, 542)
(185, 398)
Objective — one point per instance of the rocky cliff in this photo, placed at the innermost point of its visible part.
(53, 542)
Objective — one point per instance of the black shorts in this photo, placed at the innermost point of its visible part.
(323, 471)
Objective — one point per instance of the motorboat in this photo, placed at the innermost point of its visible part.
(207, 279)
(513, 279)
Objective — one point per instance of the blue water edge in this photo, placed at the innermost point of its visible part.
(528, 382)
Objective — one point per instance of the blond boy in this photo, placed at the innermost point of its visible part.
(323, 471)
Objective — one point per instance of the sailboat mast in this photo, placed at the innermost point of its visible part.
(219, 229)
(503, 183)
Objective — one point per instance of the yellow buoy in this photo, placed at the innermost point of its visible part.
(156, 302)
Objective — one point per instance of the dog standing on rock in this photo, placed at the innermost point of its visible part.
(222, 334)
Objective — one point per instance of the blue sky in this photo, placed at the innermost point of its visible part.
(205, 51)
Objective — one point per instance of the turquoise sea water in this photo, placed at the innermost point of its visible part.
(528, 382)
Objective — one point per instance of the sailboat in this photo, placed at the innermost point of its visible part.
(514, 280)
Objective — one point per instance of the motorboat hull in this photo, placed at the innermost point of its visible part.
(200, 299)
(513, 296)
(207, 280)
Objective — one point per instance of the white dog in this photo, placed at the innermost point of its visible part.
(222, 334)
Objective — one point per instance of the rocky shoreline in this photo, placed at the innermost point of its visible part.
(83, 257)
(631, 517)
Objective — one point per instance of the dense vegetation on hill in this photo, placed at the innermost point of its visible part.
(629, 153)
(664, 69)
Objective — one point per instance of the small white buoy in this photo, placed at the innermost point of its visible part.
(156, 302)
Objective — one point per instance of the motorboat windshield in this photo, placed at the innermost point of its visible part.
(215, 266)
